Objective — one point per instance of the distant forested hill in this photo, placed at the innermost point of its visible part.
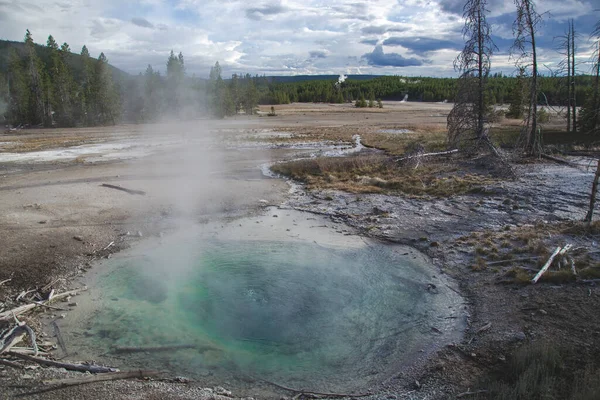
(74, 60)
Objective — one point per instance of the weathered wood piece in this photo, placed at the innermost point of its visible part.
(94, 369)
(465, 394)
(130, 191)
(590, 213)
(546, 266)
(7, 315)
(59, 338)
(109, 376)
(11, 364)
(142, 349)
(441, 153)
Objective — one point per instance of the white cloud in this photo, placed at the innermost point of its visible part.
(273, 37)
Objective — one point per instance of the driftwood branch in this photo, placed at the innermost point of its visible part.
(7, 315)
(307, 392)
(120, 349)
(546, 266)
(94, 369)
(511, 260)
(110, 376)
(130, 191)
(465, 394)
(59, 338)
(11, 364)
(441, 153)
(561, 161)
(590, 213)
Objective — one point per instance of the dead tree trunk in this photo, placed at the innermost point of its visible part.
(525, 29)
(590, 213)
(573, 85)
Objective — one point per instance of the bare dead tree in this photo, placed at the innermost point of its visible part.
(467, 120)
(573, 86)
(590, 114)
(567, 65)
(564, 47)
(524, 52)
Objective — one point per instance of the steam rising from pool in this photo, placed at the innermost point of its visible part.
(338, 315)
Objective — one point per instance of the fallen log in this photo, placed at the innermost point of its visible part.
(94, 369)
(441, 153)
(39, 303)
(60, 339)
(110, 376)
(308, 392)
(11, 364)
(511, 260)
(130, 191)
(142, 349)
(561, 161)
(6, 315)
(15, 335)
(465, 394)
(546, 266)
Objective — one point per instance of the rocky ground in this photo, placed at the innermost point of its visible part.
(56, 219)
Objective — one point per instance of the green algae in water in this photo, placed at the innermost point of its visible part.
(292, 312)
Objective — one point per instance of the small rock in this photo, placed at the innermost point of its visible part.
(78, 238)
(222, 391)
(42, 222)
(543, 312)
(139, 234)
(67, 299)
(417, 384)
(520, 336)
(62, 316)
(74, 304)
(181, 379)
(275, 215)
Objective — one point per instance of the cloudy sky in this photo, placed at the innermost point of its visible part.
(286, 37)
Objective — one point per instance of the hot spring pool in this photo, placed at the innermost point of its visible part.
(338, 314)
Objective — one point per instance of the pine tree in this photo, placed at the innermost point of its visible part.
(105, 96)
(217, 92)
(37, 111)
(361, 102)
(152, 108)
(4, 99)
(175, 83)
(87, 104)
(61, 86)
(516, 108)
(18, 90)
(250, 96)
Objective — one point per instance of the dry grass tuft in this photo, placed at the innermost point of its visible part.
(378, 173)
(519, 275)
